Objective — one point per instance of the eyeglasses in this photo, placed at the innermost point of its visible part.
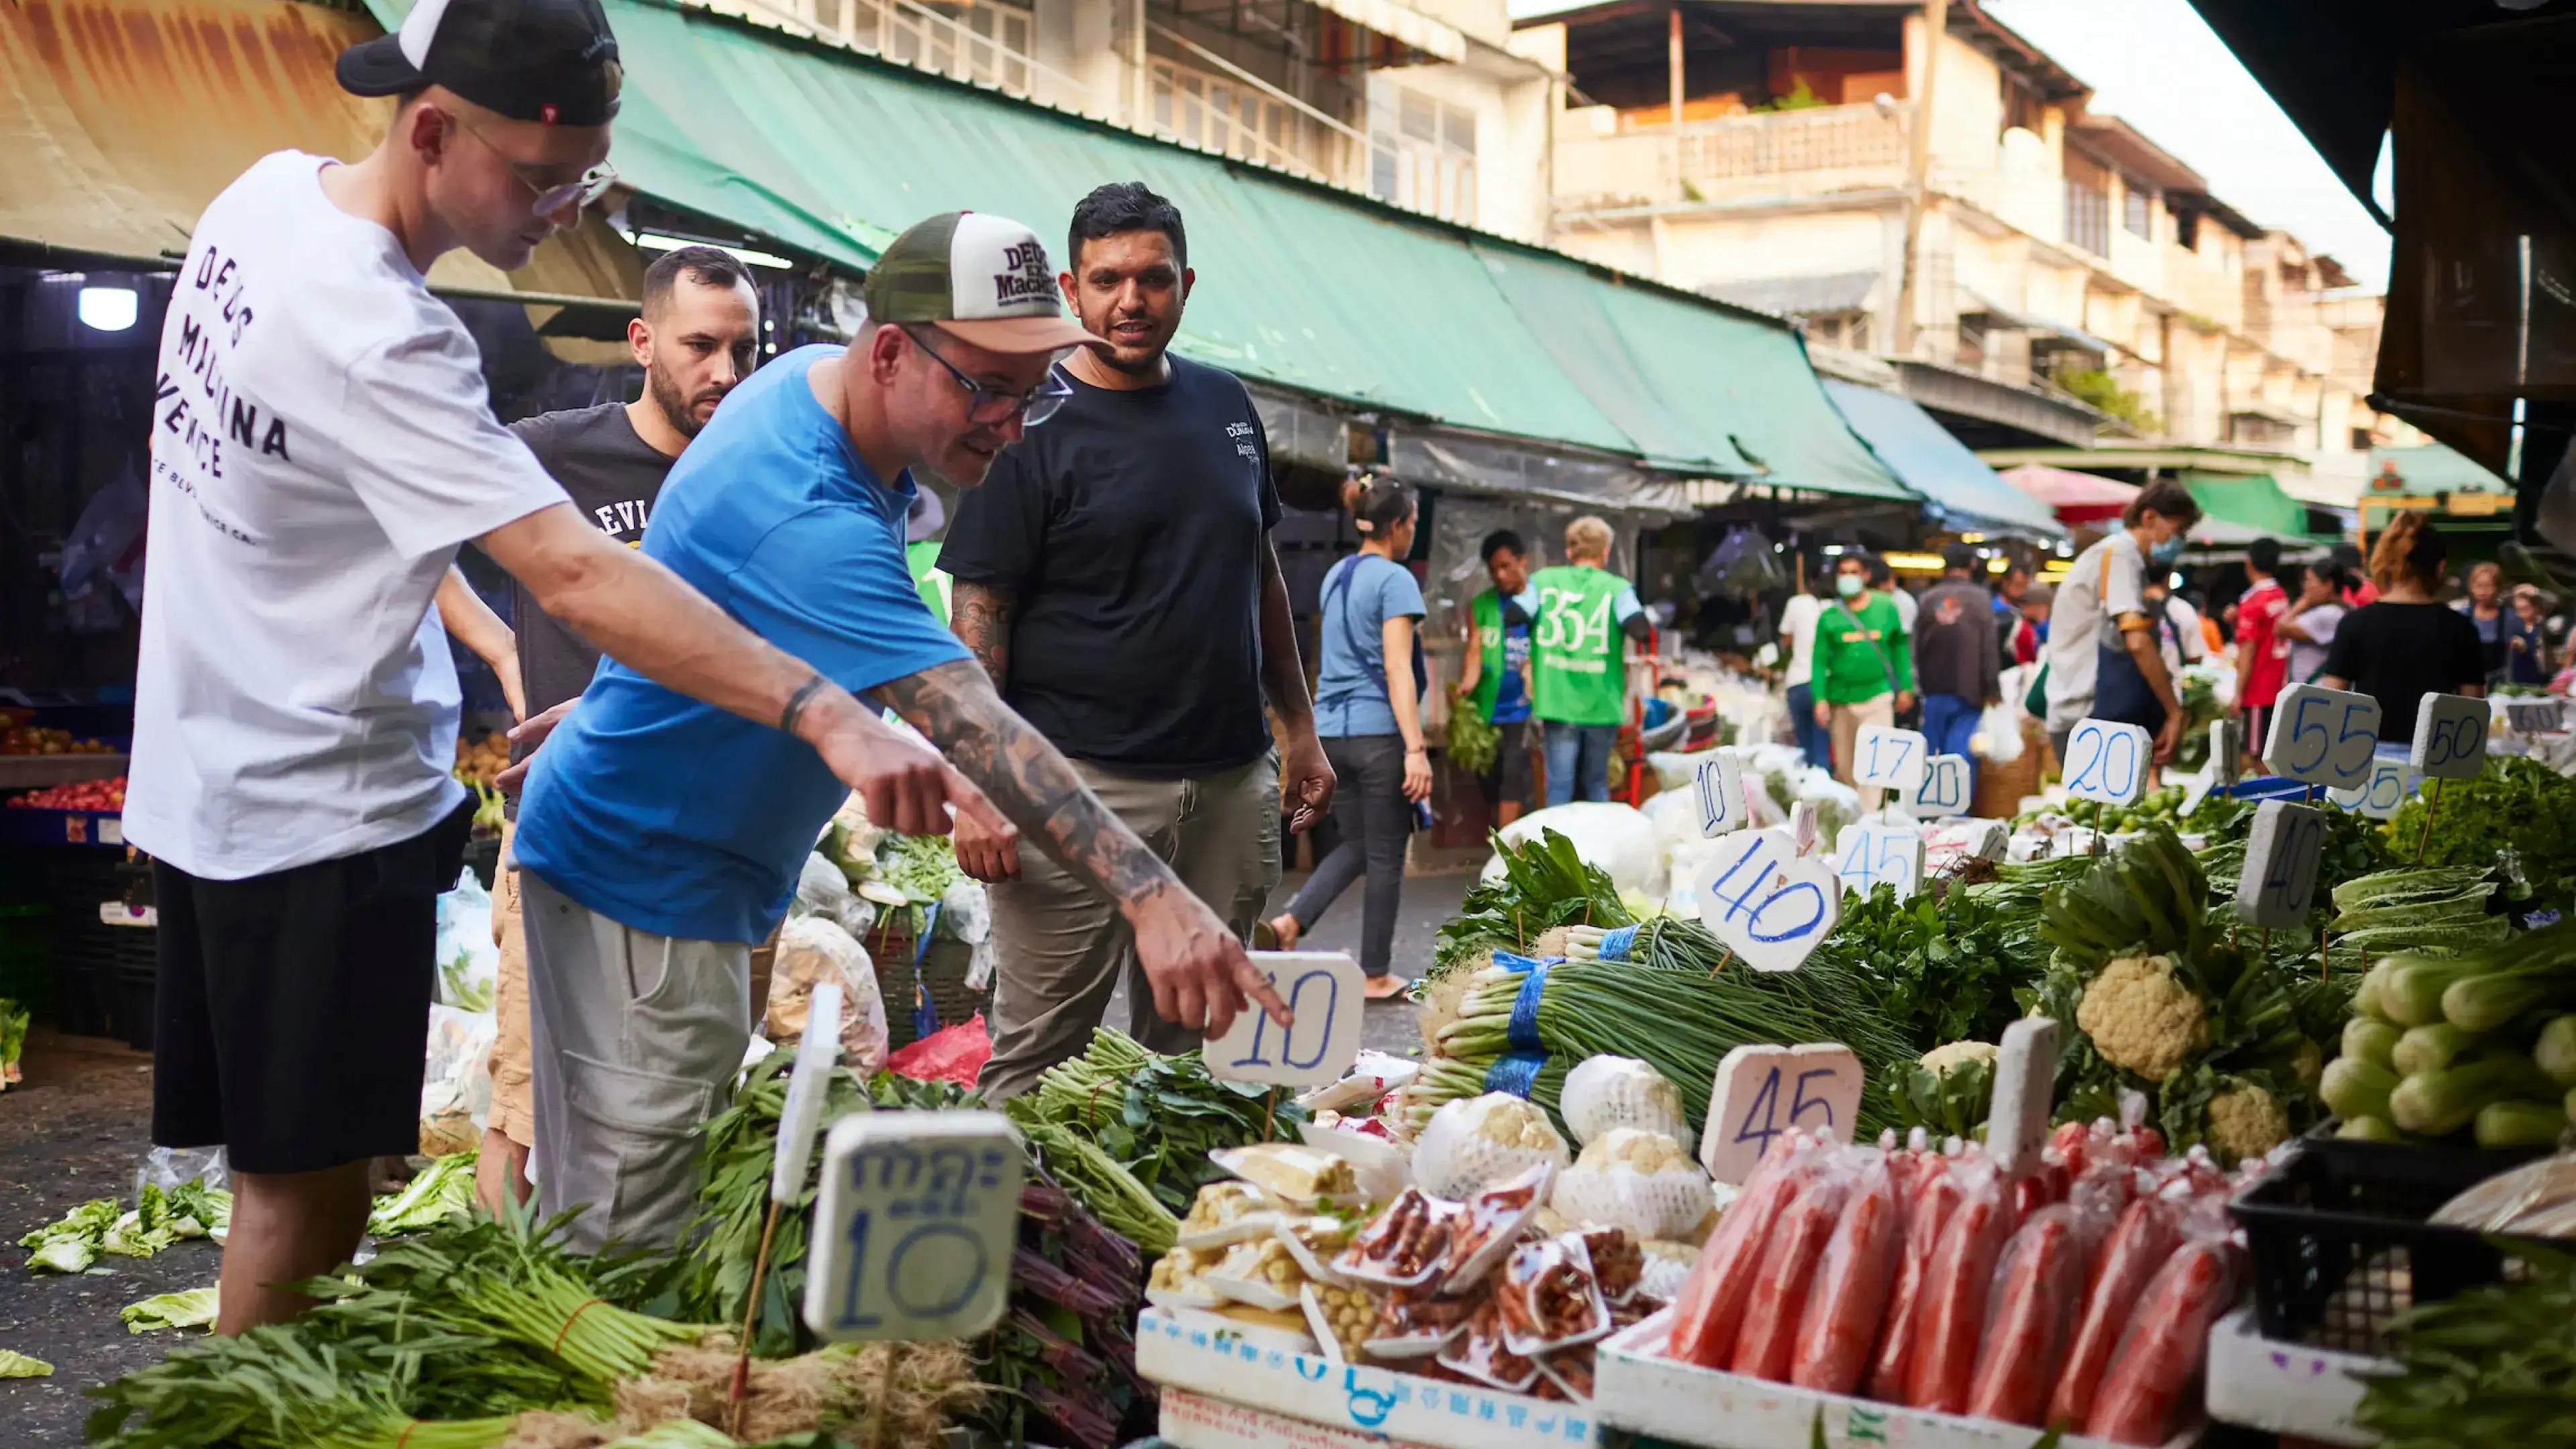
(593, 184)
(992, 407)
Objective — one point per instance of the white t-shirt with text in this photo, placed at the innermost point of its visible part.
(2091, 593)
(322, 440)
(1798, 620)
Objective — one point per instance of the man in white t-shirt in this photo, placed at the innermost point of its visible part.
(2105, 589)
(322, 441)
(1798, 644)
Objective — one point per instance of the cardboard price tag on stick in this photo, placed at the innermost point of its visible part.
(1889, 758)
(1763, 1091)
(1323, 992)
(1764, 902)
(2025, 1084)
(2450, 737)
(1717, 788)
(1944, 790)
(2106, 762)
(1870, 854)
(2323, 736)
(916, 1226)
(2280, 874)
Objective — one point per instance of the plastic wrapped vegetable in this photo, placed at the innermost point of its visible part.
(1768, 1339)
(1848, 1297)
(1951, 1316)
(1929, 1204)
(1711, 1306)
(2139, 1245)
(2031, 1312)
(1474, 1144)
(2157, 1366)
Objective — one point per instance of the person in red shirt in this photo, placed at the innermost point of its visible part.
(2262, 656)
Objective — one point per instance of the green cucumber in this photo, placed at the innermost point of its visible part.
(2369, 1040)
(2555, 1051)
(2520, 1124)
(2355, 1087)
(2369, 1129)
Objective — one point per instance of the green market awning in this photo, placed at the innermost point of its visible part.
(2256, 503)
(1927, 459)
(2429, 470)
(832, 151)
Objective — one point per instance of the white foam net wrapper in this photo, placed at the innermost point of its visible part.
(1603, 1093)
(1638, 1181)
(1471, 1145)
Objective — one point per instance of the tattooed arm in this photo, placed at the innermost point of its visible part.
(1199, 972)
(981, 616)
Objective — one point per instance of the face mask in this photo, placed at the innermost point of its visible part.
(2169, 550)
(1848, 585)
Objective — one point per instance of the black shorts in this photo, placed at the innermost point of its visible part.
(293, 1009)
(1510, 777)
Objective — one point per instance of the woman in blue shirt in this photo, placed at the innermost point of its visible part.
(1370, 720)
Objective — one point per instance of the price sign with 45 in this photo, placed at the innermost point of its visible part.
(1869, 854)
(1766, 903)
(1763, 1091)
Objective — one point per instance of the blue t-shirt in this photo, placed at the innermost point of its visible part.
(1360, 594)
(1511, 700)
(676, 817)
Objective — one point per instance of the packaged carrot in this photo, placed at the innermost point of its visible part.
(1848, 1298)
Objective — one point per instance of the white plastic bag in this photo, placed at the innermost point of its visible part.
(469, 962)
(812, 949)
(1605, 1092)
(456, 1080)
(822, 890)
(1998, 734)
(1617, 839)
(1472, 1144)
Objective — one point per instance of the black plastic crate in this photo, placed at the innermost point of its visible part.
(2341, 1244)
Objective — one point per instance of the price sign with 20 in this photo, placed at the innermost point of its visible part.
(919, 1218)
(1764, 902)
(1944, 790)
(2323, 736)
(2106, 762)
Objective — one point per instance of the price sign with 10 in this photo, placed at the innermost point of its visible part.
(1323, 992)
(2280, 874)
(2323, 736)
(916, 1227)
(2106, 761)
(1763, 1091)
(1717, 788)
(1869, 853)
(1889, 758)
(1765, 902)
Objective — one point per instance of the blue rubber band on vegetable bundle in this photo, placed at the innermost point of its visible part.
(1523, 1033)
(1515, 1072)
(1615, 945)
(1515, 961)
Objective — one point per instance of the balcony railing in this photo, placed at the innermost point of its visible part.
(1809, 152)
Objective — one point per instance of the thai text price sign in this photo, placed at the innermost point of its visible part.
(913, 1235)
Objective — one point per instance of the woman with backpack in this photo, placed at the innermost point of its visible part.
(1369, 716)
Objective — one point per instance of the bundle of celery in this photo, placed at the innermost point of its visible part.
(2429, 910)
(1676, 1009)
(1159, 1116)
(2482, 1043)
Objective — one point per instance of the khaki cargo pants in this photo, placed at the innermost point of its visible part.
(1061, 948)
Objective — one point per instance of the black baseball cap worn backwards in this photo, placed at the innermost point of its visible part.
(549, 61)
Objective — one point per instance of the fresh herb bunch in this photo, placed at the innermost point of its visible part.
(2516, 799)
(1474, 743)
(1545, 883)
(1160, 1116)
(2491, 1366)
(1938, 970)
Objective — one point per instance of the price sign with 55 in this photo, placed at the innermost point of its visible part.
(1766, 903)
(919, 1218)
(1763, 1091)
(2323, 736)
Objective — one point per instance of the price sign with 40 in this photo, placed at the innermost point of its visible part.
(1766, 903)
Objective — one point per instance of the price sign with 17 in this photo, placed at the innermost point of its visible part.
(1763, 1091)
(1764, 902)
(1889, 758)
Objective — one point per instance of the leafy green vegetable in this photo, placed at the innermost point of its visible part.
(13, 1040)
(2490, 1366)
(1938, 970)
(444, 1190)
(1545, 883)
(71, 1244)
(2516, 799)
(1159, 1116)
(16, 1365)
(1474, 743)
(187, 1308)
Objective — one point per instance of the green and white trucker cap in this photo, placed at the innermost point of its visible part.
(984, 278)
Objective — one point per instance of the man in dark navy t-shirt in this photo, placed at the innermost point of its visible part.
(1115, 576)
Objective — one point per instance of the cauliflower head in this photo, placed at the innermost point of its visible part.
(1949, 1056)
(1510, 1121)
(2142, 1018)
(2308, 1063)
(1632, 1149)
(2247, 1121)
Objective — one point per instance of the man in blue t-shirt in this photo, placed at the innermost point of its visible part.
(661, 838)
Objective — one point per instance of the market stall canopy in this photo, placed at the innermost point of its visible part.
(2073, 497)
(2428, 470)
(832, 151)
(1928, 460)
(2256, 503)
(123, 118)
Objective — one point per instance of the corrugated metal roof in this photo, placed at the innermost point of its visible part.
(121, 119)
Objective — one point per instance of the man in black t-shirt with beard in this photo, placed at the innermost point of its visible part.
(1114, 575)
(697, 337)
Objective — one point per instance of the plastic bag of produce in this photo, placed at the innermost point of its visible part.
(1841, 1316)
(2159, 1358)
(1617, 839)
(1475, 1143)
(1950, 1314)
(456, 1080)
(1604, 1092)
(1638, 1181)
(469, 961)
(822, 890)
(810, 950)
(1998, 734)
(1710, 1310)
(2031, 1312)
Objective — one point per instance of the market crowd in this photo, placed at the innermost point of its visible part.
(727, 621)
